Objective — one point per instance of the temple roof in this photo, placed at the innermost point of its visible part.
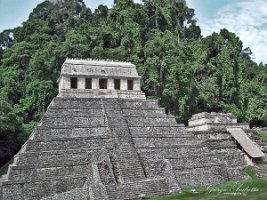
(104, 68)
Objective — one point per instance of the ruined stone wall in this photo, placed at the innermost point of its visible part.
(224, 147)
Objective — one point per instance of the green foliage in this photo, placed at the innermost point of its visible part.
(221, 155)
(4, 168)
(9, 128)
(250, 189)
(187, 73)
(250, 171)
(27, 129)
(261, 133)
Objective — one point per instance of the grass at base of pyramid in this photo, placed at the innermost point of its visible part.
(249, 189)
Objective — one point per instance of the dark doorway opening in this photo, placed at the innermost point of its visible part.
(103, 84)
(73, 83)
(130, 84)
(88, 83)
(117, 84)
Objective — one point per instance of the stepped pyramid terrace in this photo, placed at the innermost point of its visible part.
(100, 139)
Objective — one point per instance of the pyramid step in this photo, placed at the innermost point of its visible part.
(70, 143)
(144, 113)
(60, 158)
(130, 178)
(171, 152)
(139, 103)
(193, 162)
(201, 177)
(162, 142)
(41, 174)
(235, 173)
(77, 193)
(262, 171)
(74, 113)
(37, 190)
(163, 135)
(77, 138)
(72, 122)
(261, 167)
(142, 188)
(56, 134)
(140, 106)
(222, 147)
(117, 105)
(132, 173)
(155, 131)
(262, 143)
(138, 121)
(163, 117)
(130, 165)
(66, 103)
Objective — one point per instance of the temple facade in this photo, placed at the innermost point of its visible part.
(99, 79)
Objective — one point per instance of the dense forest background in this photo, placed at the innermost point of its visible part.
(188, 73)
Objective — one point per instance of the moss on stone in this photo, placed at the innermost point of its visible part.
(261, 133)
(221, 155)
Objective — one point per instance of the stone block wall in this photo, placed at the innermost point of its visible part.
(110, 149)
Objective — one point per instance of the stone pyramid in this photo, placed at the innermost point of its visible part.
(96, 143)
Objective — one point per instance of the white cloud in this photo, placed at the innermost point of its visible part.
(246, 18)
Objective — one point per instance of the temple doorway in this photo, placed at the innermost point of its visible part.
(130, 84)
(103, 84)
(117, 84)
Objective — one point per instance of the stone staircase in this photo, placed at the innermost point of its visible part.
(167, 150)
(260, 165)
(127, 157)
(128, 169)
(109, 149)
(221, 142)
(258, 140)
(261, 170)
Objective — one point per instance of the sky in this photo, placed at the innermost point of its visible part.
(246, 18)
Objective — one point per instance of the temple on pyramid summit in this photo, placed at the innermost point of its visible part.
(99, 79)
(100, 139)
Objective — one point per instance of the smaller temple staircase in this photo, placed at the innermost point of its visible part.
(261, 143)
(261, 170)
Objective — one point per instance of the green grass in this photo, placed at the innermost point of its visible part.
(250, 171)
(250, 189)
(221, 155)
(4, 168)
(260, 132)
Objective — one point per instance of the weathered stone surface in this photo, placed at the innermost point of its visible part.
(250, 147)
(234, 143)
(110, 149)
(107, 144)
(107, 79)
(213, 122)
(213, 129)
